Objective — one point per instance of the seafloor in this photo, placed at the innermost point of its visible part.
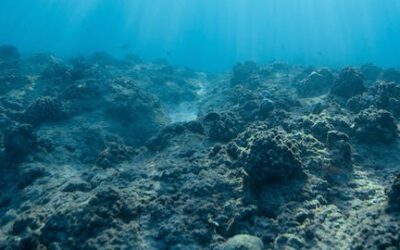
(105, 153)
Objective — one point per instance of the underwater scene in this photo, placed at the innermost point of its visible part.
(199, 124)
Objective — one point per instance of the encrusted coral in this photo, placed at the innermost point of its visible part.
(79, 228)
(318, 126)
(391, 75)
(130, 103)
(375, 125)
(114, 154)
(266, 107)
(222, 126)
(246, 74)
(359, 102)
(271, 156)
(394, 193)
(387, 96)
(349, 83)
(339, 149)
(56, 71)
(44, 109)
(316, 83)
(9, 57)
(19, 141)
(370, 72)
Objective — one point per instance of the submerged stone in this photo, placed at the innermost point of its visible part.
(44, 109)
(349, 83)
(391, 75)
(339, 149)
(375, 126)
(315, 84)
(370, 71)
(19, 141)
(394, 193)
(242, 242)
(246, 74)
(271, 157)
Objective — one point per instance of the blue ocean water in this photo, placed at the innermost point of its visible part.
(209, 35)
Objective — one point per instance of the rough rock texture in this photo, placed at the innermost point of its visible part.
(370, 72)
(150, 156)
(271, 157)
(375, 125)
(243, 242)
(9, 56)
(387, 96)
(222, 127)
(246, 74)
(391, 75)
(394, 193)
(339, 149)
(349, 83)
(19, 141)
(44, 109)
(114, 154)
(317, 83)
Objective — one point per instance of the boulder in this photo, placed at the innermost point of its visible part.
(375, 126)
(271, 156)
(315, 84)
(349, 83)
(242, 242)
(44, 109)
(246, 74)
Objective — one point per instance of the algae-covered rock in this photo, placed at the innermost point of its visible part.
(370, 71)
(375, 126)
(19, 141)
(271, 157)
(391, 75)
(242, 242)
(114, 154)
(349, 83)
(222, 127)
(246, 74)
(315, 84)
(44, 109)
(9, 57)
(339, 149)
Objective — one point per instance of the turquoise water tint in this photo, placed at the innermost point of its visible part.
(210, 35)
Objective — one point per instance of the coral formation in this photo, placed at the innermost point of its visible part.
(19, 141)
(391, 75)
(222, 127)
(375, 125)
(93, 157)
(9, 57)
(242, 242)
(370, 72)
(339, 149)
(113, 155)
(270, 157)
(316, 83)
(349, 83)
(44, 109)
(246, 74)
(394, 193)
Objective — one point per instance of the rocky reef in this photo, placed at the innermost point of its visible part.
(96, 154)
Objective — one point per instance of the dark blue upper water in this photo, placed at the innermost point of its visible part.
(210, 35)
